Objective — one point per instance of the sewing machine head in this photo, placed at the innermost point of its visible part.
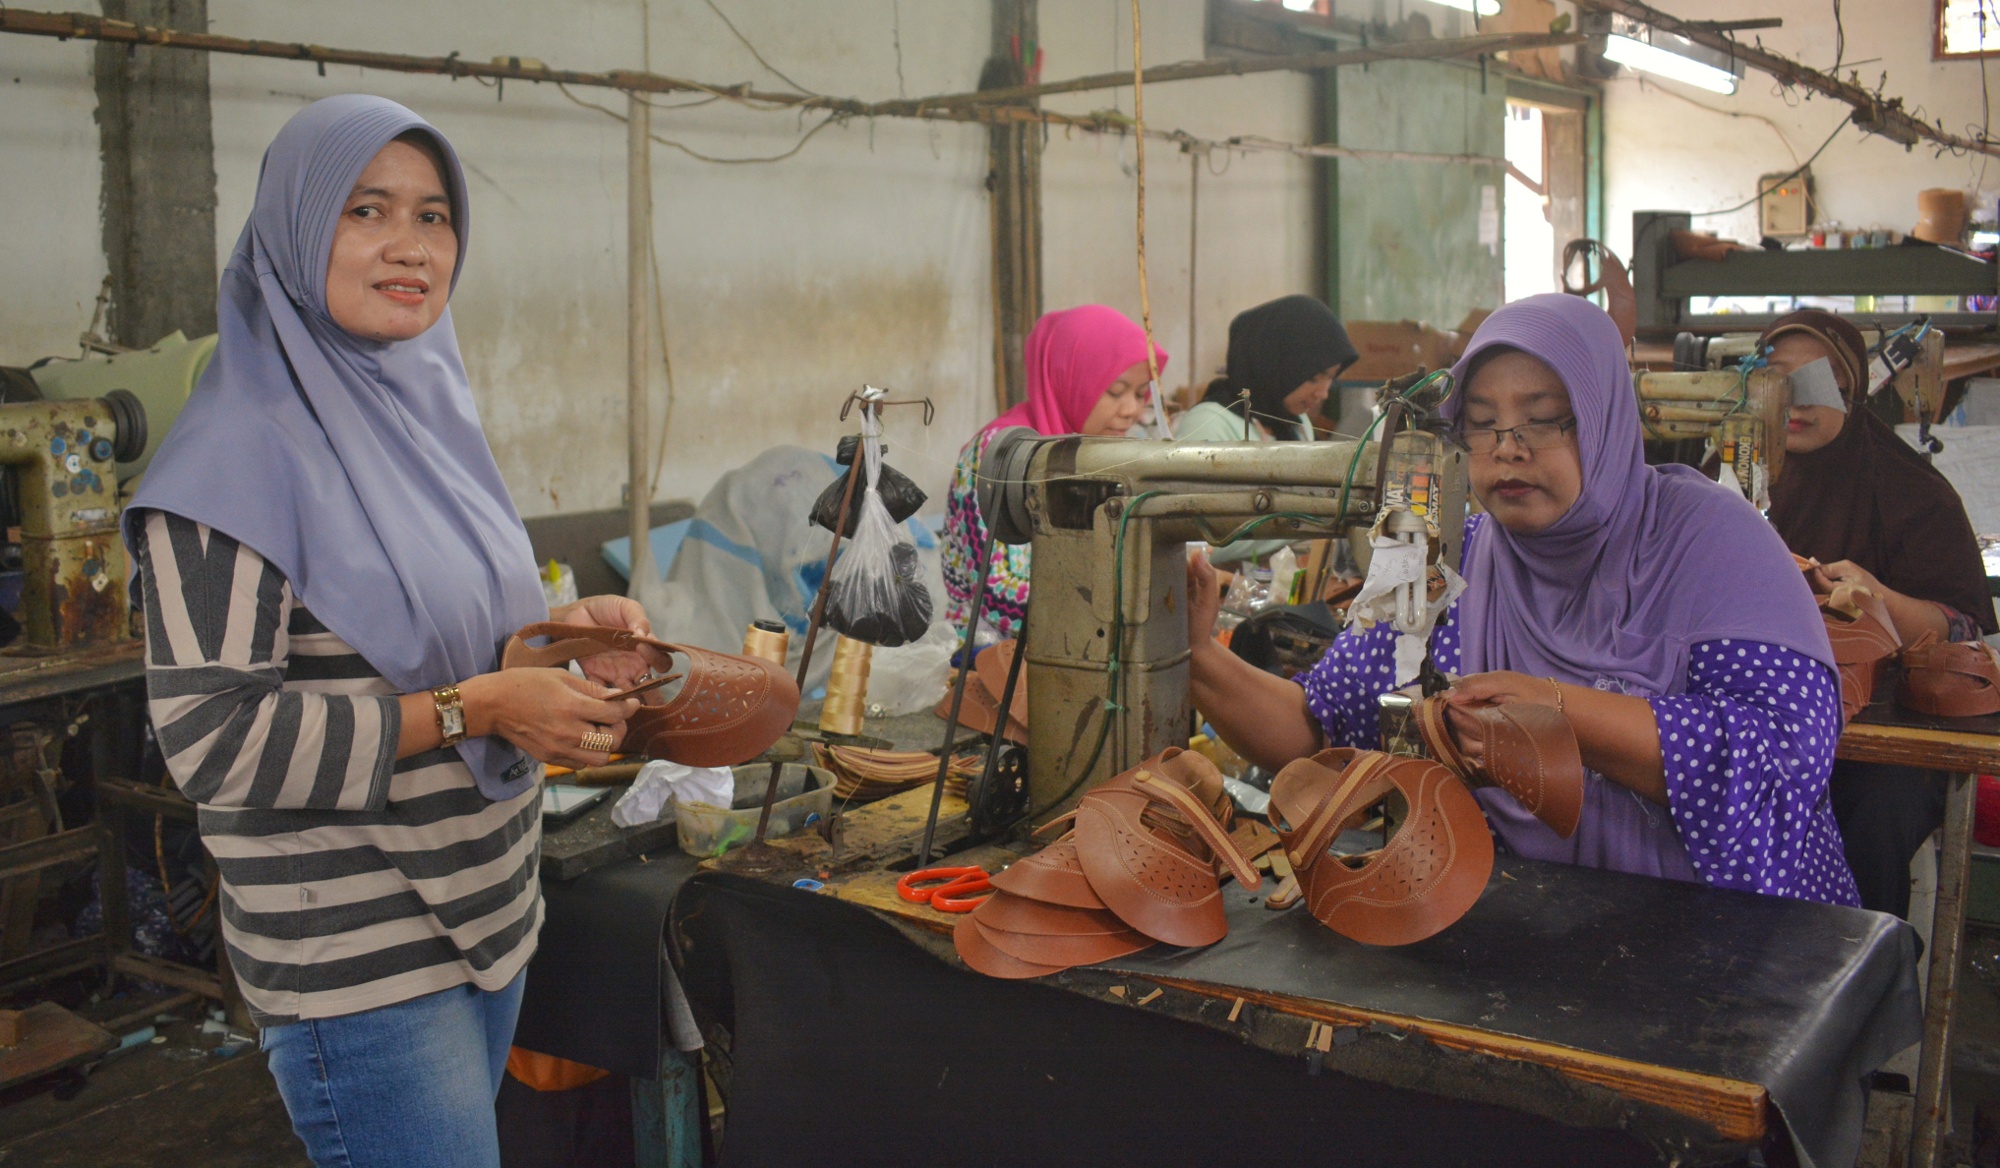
(1109, 520)
(1721, 394)
(61, 459)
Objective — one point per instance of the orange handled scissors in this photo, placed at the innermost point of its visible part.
(957, 890)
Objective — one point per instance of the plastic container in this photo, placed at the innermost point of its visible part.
(805, 796)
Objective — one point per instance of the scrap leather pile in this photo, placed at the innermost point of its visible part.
(863, 774)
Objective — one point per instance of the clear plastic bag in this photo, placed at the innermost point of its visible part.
(877, 594)
(911, 678)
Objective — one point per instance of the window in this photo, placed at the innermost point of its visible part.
(1967, 28)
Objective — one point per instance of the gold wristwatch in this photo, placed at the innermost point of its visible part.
(451, 715)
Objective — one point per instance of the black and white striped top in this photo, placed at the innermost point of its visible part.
(349, 880)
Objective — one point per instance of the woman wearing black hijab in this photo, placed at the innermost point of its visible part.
(1873, 512)
(1286, 354)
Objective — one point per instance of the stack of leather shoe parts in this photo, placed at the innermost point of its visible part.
(984, 684)
(1428, 874)
(1950, 679)
(728, 710)
(1527, 750)
(1141, 863)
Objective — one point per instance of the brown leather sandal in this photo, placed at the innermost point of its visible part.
(1423, 880)
(1950, 679)
(1139, 864)
(1864, 644)
(1150, 848)
(980, 710)
(729, 710)
(1530, 752)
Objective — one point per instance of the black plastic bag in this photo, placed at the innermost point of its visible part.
(901, 496)
(876, 594)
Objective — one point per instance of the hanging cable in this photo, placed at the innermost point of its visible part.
(773, 69)
(1139, 154)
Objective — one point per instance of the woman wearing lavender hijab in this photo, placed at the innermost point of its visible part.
(329, 564)
(1658, 610)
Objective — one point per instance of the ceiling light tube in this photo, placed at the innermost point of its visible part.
(1476, 7)
(1675, 58)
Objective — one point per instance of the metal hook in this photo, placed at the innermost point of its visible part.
(873, 398)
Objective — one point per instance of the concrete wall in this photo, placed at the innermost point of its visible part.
(1255, 233)
(862, 259)
(1662, 153)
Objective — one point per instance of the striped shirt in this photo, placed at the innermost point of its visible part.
(350, 880)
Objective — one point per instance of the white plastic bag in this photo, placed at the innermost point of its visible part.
(911, 678)
(878, 593)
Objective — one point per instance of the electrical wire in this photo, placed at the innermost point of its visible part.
(691, 151)
(774, 70)
(1794, 173)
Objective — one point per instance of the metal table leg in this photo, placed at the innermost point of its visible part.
(1947, 945)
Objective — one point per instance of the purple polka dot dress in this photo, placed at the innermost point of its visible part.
(1747, 740)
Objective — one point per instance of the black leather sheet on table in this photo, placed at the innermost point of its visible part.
(594, 985)
(1805, 999)
(852, 1045)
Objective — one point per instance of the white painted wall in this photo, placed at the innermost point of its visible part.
(1255, 232)
(864, 259)
(1662, 153)
(52, 260)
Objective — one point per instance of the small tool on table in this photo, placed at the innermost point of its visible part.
(961, 889)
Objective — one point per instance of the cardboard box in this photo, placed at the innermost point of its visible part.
(1393, 348)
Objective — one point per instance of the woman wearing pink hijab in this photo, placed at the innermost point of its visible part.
(1086, 375)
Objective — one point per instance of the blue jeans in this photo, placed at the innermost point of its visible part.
(409, 1085)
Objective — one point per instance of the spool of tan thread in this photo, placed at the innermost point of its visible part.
(767, 639)
(846, 687)
(1940, 215)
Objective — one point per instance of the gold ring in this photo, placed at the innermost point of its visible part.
(598, 740)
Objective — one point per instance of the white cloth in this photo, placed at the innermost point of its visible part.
(660, 781)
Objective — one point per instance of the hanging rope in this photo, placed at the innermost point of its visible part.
(1145, 299)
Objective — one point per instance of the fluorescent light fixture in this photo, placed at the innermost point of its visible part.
(1301, 5)
(1676, 58)
(1476, 7)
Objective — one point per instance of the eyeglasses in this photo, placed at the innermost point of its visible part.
(1531, 436)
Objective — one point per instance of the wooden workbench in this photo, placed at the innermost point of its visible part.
(1963, 748)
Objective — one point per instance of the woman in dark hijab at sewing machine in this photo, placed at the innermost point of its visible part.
(1285, 356)
(1862, 502)
(1657, 611)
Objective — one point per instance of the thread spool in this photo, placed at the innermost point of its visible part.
(1940, 215)
(846, 687)
(769, 640)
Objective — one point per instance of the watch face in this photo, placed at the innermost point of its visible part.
(452, 719)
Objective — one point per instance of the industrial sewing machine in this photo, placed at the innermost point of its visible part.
(1738, 414)
(64, 483)
(70, 433)
(1110, 519)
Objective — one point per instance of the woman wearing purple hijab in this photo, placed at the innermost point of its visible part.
(329, 564)
(1657, 609)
